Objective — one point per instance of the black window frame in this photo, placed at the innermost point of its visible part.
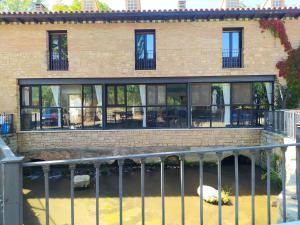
(60, 64)
(229, 62)
(145, 64)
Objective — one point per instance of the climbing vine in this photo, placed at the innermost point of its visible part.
(289, 68)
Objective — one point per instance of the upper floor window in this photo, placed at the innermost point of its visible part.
(232, 48)
(277, 3)
(132, 5)
(145, 56)
(58, 50)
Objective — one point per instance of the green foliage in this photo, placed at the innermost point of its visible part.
(292, 67)
(15, 5)
(275, 172)
(76, 6)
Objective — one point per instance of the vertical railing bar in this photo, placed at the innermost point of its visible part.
(201, 188)
(219, 159)
(72, 169)
(236, 173)
(46, 170)
(120, 163)
(283, 174)
(182, 189)
(143, 190)
(97, 166)
(162, 189)
(253, 187)
(269, 185)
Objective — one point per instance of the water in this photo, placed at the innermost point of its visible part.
(109, 202)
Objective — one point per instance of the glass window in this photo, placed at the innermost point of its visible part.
(116, 95)
(156, 95)
(201, 94)
(30, 119)
(145, 50)
(30, 96)
(242, 93)
(51, 96)
(177, 94)
(134, 95)
(58, 50)
(231, 49)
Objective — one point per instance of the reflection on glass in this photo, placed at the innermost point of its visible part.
(201, 116)
(176, 117)
(30, 119)
(135, 117)
(133, 95)
(50, 96)
(116, 117)
(156, 117)
(242, 115)
(72, 118)
(218, 116)
(92, 118)
(177, 94)
(156, 95)
(241, 93)
(51, 118)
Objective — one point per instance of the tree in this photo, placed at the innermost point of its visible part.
(15, 5)
(76, 6)
(18, 5)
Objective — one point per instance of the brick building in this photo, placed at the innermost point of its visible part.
(83, 76)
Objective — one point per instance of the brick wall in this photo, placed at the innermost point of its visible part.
(74, 144)
(107, 50)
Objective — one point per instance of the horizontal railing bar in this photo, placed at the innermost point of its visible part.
(157, 155)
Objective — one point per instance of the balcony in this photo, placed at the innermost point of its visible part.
(232, 58)
(59, 65)
(145, 61)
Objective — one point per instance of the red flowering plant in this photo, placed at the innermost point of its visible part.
(289, 68)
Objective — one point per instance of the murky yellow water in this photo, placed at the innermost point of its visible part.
(34, 204)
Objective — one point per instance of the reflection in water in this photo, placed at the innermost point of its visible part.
(109, 202)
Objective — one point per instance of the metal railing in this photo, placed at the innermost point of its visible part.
(283, 122)
(11, 212)
(232, 58)
(146, 61)
(201, 153)
(11, 199)
(6, 123)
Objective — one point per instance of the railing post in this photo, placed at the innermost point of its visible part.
(298, 168)
(11, 196)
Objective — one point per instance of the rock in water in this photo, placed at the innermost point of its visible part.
(82, 181)
(210, 194)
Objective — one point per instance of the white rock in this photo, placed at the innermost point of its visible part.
(210, 194)
(82, 181)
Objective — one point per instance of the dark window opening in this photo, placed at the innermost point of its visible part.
(140, 106)
(58, 51)
(145, 55)
(232, 48)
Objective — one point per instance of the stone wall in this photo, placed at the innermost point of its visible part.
(76, 144)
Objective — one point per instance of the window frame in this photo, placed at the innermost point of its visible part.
(144, 66)
(231, 30)
(63, 63)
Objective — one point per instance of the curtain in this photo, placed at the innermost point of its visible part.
(98, 90)
(269, 89)
(56, 93)
(143, 101)
(226, 96)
